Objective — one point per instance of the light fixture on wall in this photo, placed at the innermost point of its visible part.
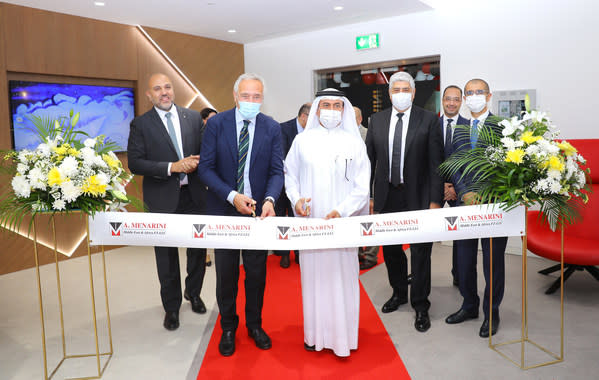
(231, 31)
(338, 8)
(49, 244)
(99, 3)
(198, 94)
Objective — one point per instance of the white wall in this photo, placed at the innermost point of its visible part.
(548, 45)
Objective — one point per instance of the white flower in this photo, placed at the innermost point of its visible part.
(508, 143)
(509, 126)
(24, 156)
(580, 179)
(21, 186)
(88, 155)
(43, 150)
(70, 192)
(555, 187)
(69, 166)
(89, 143)
(38, 178)
(532, 149)
(548, 147)
(553, 175)
(22, 168)
(59, 204)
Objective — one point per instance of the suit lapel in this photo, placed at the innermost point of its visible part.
(230, 133)
(159, 125)
(185, 129)
(258, 139)
(385, 135)
(413, 125)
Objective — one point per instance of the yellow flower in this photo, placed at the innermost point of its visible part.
(567, 148)
(93, 186)
(73, 152)
(54, 177)
(112, 163)
(528, 138)
(61, 150)
(515, 156)
(556, 163)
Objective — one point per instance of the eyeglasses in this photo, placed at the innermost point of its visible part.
(401, 89)
(477, 92)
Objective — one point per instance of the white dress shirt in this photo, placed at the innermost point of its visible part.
(177, 126)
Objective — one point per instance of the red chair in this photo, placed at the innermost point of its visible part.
(581, 240)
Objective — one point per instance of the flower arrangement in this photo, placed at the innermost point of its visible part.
(63, 173)
(520, 161)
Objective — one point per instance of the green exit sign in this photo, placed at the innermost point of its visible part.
(369, 41)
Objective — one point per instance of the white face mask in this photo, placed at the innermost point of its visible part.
(402, 100)
(330, 118)
(476, 103)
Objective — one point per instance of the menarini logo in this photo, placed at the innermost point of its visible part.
(452, 223)
(283, 233)
(367, 229)
(115, 228)
(198, 231)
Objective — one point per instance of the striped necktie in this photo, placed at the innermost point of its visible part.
(244, 142)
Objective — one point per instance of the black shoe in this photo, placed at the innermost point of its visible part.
(456, 282)
(262, 340)
(423, 322)
(409, 278)
(296, 258)
(461, 316)
(309, 348)
(171, 320)
(367, 264)
(284, 263)
(197, 305)
(394, 302)
(484, 329)
(226, 347)
(208, 261)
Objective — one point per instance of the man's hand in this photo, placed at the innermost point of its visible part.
(186, 165)
(333, 214)
(244, 204)
(267, 210)
(450, 194)
(470, 198)
(301, 208)
(434, 205)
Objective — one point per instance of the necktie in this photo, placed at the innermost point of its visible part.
(448, 137)
(474, 133)
(396, 156)
(244, 142)
(171, 132)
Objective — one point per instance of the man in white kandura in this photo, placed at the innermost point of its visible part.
(327, 175)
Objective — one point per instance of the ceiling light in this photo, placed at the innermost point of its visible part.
(338, 8)
(99, 3)
(231, 31)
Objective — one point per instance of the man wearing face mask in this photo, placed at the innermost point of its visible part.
(289, 130)
(327, 168)
(242, 166)
(405, 147)
(477, 95)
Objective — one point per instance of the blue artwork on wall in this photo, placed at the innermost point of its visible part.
(104, 110)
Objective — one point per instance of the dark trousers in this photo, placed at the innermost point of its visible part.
(454, 251)
(467, 257)
(283, 208)
(227, 279)
(397, 262)
(167, 263)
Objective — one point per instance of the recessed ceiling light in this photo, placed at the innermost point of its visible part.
(232, 31)
(338, 8)
(99, 3)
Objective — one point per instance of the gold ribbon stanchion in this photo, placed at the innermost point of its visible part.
(524, 338)
(65, 356)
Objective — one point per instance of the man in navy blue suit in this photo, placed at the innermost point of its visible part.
(452, 102)
(477, 95)
(242, 165)
(289, 130)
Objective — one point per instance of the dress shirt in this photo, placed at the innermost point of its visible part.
(405, 123)
(453, 124)
(300, 129)
(177, 126)
(247, 189)
(481, 119)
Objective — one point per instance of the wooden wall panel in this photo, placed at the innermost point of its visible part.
(212, 65)
(45, 44)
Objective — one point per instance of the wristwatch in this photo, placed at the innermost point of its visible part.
(269, 199)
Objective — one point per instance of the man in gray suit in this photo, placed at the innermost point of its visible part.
(164, 147)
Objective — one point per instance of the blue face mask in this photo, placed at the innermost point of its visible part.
(249, 110)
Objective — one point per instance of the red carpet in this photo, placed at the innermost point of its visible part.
(376, 356)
